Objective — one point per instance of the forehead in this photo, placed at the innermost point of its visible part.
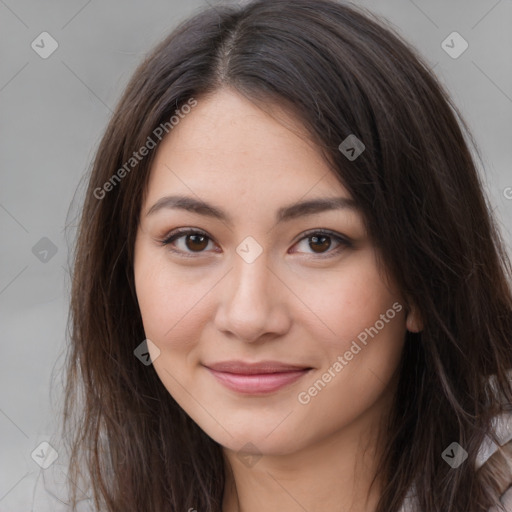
(226, 146)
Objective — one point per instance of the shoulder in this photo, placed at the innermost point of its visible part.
(506, 502)
(502, 427)
(496, 454)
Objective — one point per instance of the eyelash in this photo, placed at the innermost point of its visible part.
(182, 232)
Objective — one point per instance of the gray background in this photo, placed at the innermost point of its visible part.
(53, 113)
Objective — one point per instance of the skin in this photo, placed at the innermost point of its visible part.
(298, 302)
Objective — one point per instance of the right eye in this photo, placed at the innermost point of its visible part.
(192, 241)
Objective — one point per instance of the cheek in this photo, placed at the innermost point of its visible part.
(169, 301)
(172, 315)
(358, 364)
(360, 338)
(347, 302)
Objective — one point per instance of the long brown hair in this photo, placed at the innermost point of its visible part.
(339, 71)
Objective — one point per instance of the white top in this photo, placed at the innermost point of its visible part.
(502, 426)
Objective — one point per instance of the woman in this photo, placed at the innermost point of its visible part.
(289, 293)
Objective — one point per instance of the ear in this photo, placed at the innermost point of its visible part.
(413, 322)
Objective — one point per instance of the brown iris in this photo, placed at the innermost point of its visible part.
(196, 242)
(325, 243)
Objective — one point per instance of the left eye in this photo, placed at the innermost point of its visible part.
(195, 241)
(321, 241)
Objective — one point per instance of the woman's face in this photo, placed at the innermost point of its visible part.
(259, 284)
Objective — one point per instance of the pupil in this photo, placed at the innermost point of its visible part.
(315, 240)
(198, 244)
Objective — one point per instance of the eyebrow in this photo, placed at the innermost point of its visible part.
(285, 213)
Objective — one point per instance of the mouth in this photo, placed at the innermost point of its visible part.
(256, 378)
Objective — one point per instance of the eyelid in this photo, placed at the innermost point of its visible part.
(342, 240)
(183, 231)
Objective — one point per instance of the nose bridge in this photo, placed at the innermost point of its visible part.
(250, 285)
(250, 306)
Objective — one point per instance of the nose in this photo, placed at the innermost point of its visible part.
(253, 302)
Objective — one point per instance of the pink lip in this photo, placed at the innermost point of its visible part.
(256, 378)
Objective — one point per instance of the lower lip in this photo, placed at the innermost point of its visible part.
(258, 383)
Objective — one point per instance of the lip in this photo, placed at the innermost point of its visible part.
(257, 367)
(256, 378)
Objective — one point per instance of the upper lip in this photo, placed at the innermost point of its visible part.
(246, 368)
